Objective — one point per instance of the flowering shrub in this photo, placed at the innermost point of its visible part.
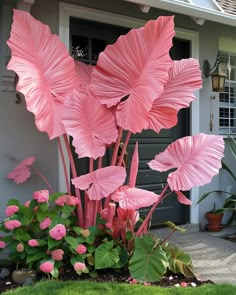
(134, 86)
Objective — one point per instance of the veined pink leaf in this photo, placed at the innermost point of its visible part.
(197, 159)
(102, 182)
(91, 125)
(45, 69)
(137, 65)
(184, 79)
(84, 72)
(182, 199)
(134, 167)
(22, 171)
(134, 198)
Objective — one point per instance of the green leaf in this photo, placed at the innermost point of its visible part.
(129, 236)
(106, 256)
(208, 193)
(228, 169)
(44, 206)
(123, 257)
(13, 202)
(179, 261)
(94, 231)
(36, 256)
(76, 258)
(77, 230)
(41, 215)
(232, 145)
(66, 210)
(53, 243)
(147, 264)
(33, 204)
(55, 273)
(73, 242)
(175, 227)
(21, 234)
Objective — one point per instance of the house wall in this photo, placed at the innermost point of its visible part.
(25, 140)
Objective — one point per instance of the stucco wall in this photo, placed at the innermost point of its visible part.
(22, 138)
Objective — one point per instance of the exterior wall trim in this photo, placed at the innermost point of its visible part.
(69, 10)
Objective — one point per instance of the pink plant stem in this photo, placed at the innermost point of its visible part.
(168, 236)
(121, 157)
(64, 166)
(43, 178)
(90, 214)
(74, 175)
(116, 148)
(146, 220)
(98, 203)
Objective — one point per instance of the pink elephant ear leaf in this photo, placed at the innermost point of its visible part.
(134, 198)
(102, 182)
(134, 167)
(135, 66)
(22, 171)
(84, 72)
(182, 199)
(197, 159)
(45, 69)
(184, 79)
(91, 125)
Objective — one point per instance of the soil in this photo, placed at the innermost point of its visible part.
(109, 275)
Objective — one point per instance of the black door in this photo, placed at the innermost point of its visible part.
(88, 39)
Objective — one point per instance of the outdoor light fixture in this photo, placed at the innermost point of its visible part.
(217, 73)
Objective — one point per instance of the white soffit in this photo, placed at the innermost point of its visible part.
(201, 9)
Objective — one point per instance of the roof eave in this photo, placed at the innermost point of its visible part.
(190, 10)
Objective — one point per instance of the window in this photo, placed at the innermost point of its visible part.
(227, 98)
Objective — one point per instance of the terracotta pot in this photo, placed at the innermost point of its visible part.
(24, 275)
(214, 221)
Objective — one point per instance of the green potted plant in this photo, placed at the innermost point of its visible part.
(214, 217)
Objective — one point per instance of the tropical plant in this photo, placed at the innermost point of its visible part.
(230, 201)
(134, 86)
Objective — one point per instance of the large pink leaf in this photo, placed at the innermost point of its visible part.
(197, 159)
(136, 65)
(182, 199)
(184, 79)
(22, 171)
(45, 69)
(91, 125)
(134, 198)
(134, 167)
(102, 182)
(84, 72)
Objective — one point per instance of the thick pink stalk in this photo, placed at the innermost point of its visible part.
(146, 220)
(121, 157)
(74, 175)
(111, 212)
(116, 148)
(43, 178)
(64, 166)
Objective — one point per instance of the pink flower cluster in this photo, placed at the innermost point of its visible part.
(33, 243)
(20, 247)
(58, 232)
(46, 266)
(45, 223)
(10, 210)
(57, 254)
(81, 249)
(79, 266)
(12, 224)
(66, 199)
(2, 245)
(41, 196)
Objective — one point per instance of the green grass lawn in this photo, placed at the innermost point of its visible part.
(91, 288)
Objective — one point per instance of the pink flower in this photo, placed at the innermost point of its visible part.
(45, 223)
(20, 247)
(81, 249)
(41, 196)
(33, 243)
(27, 204)
(58, 232)
(57, 254)
(12, 224)
(10, 210)
(47, 267)
(2, 245)
(66, 199)
(79, 266)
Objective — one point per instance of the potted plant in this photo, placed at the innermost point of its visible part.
(214, 218)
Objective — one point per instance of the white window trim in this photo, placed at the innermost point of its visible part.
(70, 10)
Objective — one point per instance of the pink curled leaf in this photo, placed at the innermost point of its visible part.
(182, 199)
(22, 171)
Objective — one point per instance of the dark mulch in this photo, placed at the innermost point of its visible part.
(108, 275)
